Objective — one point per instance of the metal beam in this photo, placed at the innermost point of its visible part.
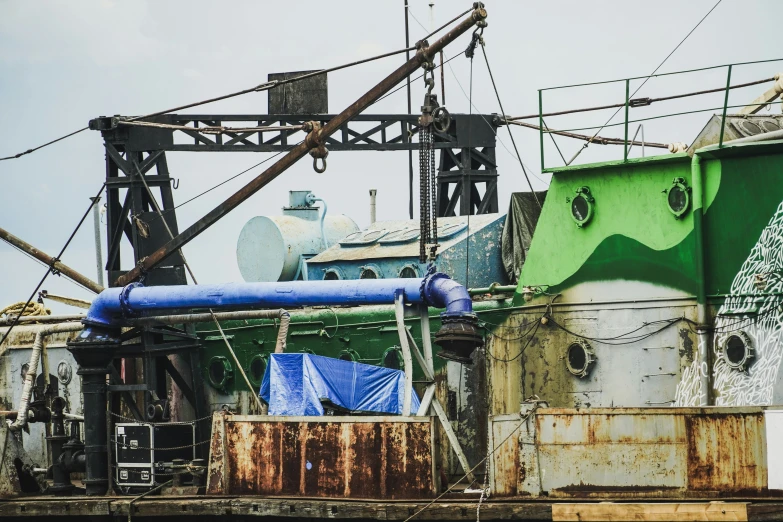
(299, 151)
(53, 262)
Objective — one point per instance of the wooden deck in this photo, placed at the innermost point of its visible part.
(109, 508)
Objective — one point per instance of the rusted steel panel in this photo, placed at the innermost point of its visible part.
(216, 484)
(727, 452)
(329, 458)
(635, 452)
(507, 466)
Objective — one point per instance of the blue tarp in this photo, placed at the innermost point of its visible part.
(297, 383)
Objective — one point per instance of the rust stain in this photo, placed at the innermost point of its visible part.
(328, 459)
(726, 452)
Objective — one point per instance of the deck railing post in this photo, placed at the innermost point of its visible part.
(725, 105)
(625, 142)
(541, 125)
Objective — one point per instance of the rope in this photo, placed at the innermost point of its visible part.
(50, 268)
(514, 143)
(25, 309)
(594, 139)
(253, 392)
(536, 402)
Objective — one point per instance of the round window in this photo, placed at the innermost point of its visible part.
(392, 358)
(738, 350)
(582, 206)
(349, 355)
(219, 372)
(370, 272)
(257, 369)
(579, 358)
(333, 274)
(678, 197)
(409, 272)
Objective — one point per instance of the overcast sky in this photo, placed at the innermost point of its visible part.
(62, 63)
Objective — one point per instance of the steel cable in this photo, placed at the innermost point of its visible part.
(646, 79)
(50, 268)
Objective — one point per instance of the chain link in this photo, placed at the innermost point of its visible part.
(124, 445)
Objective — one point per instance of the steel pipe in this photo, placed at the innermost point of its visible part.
(43, 319)
(283, 315)
(53, 262)
(32, 368)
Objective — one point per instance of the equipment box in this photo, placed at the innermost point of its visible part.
(142, 450)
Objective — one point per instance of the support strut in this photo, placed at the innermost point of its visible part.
(314, 140)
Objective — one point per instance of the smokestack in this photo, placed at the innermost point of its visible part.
(373, 192)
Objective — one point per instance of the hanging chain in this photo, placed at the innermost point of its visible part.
(428, 191)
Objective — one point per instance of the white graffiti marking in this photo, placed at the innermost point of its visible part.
(753, 387)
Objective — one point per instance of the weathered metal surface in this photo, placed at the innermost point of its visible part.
(16, 476)
(14, 358)
(339, 457)
(633, 452)
(727, 452)
(391, 257)
(642, 372)
(307, 96)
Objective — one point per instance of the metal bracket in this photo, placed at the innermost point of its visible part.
(427, 365)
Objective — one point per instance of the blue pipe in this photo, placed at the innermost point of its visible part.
(113, 305)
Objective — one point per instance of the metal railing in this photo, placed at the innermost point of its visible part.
(630, 103)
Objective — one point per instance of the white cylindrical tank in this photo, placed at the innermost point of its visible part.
(270, 249)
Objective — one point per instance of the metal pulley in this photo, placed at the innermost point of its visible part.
(441, 119)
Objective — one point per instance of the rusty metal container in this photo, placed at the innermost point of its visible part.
(333, 457)
(633, 452)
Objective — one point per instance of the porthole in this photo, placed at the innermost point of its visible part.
(219, 372)
(579, 358)
(256, 369)
(581, 206)
(349, 355)
(409, 272)
(678, 197)
(392, 358)
(333, 273)
(370, 272)
(738, 350)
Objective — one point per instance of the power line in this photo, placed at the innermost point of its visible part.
(648, 78)
(30, 151)
(258, 88)
(514, 143)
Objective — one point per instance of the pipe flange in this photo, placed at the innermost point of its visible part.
(124, 298)
(426, 284)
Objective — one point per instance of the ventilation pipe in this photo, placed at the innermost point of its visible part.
(312, 199)
(373, 193)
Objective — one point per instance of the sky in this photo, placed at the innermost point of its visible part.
(63, 63)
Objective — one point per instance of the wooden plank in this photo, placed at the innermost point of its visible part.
(48, 506)
(674, 512)
(767, 511)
